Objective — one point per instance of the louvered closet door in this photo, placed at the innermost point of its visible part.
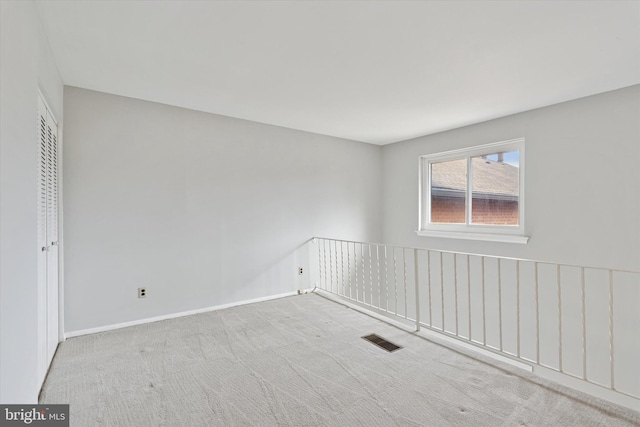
(47, 238)
(42, 241)
(52, 237)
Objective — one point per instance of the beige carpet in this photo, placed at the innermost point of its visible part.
(296, 361)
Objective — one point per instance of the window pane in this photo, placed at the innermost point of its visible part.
(448, 190)
(495, 188)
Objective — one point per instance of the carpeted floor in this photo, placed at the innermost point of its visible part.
(296, 361)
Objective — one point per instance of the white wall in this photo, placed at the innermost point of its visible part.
(201, 209)
(582, 182)
(25, 65)
(582, 192)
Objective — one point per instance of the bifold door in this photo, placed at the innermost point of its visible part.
(47, 238)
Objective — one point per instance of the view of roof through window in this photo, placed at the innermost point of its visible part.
(495, 189)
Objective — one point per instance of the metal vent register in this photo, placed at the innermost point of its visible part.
(382, 343)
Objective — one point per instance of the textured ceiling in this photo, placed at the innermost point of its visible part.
(379, 72)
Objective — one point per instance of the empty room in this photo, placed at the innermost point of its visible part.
(319, 213)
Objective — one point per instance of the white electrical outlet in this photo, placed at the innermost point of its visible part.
(142, 292)
(300, 271)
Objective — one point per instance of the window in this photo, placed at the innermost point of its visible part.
(474, 193)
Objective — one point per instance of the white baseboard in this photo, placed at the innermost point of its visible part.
(574, 385)
(426, 333)
(588, 388)
(173, 315)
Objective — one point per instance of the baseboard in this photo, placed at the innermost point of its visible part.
(173, 315)
(575, 388)
(589, 389)
(426, 333)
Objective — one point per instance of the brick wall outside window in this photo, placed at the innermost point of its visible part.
(450, 210)
(447, 210)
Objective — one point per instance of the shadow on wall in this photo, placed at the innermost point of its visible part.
(269, 279)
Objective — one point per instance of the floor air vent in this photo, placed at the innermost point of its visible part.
(382, 343)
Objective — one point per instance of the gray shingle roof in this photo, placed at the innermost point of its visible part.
(489, 177)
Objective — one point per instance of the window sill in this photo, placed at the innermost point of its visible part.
(505, 238)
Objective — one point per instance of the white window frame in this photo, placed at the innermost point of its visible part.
(469, 231)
